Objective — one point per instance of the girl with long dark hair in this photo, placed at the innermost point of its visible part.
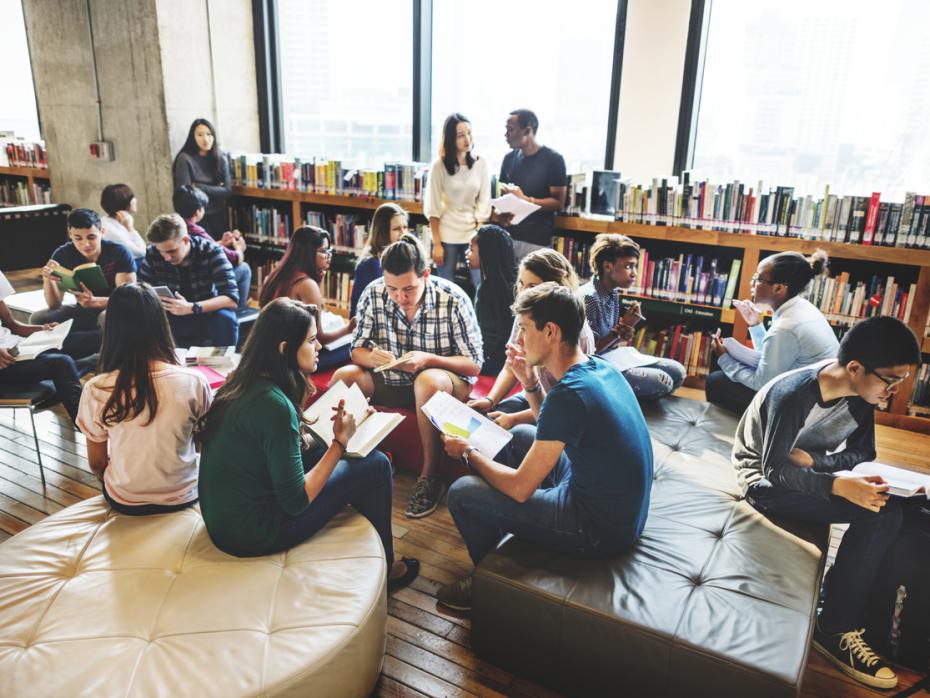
(298, 276)
(261, 490)
(138, 412)
(491, 252)
(388, 224)
(201, 164)
(458, 199)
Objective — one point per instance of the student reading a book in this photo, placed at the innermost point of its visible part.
(579, 481)
(458, 199)
(535, 173)
(262, 489)
(298, 276)
(201, 164)
(542, 266)
(63, 367)
(86, 246)
(119, 203)
(801, 428)
(798, 336)
(202, 311)
(190, 203)
(614, 261)
(138, 413)
(387, 225)
(491, 254)
(430, 324)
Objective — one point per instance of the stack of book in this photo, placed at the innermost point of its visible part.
(845, 302)
(21, 153)
(691, 348)
(347, 232)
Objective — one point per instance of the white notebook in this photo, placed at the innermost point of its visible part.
(901, 482)
(371, 427)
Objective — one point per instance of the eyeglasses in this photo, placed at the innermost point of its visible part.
(890, 381)
(327, 252)
(756, 280)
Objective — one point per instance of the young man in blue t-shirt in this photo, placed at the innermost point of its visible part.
(579, 481)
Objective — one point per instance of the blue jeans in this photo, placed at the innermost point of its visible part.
(216, 329)
(860, 553)
(453, 252)
(730, 395)
(243, 274)
(657, 380)
(513, 404)
(548, 518)
(364, 483)
(327, 359)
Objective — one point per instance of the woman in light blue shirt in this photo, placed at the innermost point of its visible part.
(798, 336)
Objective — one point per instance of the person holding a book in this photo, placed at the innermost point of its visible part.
(203, 296)
(61, 366)
(264, 485)
(298, 276)
(802, 428)
(138, 413)
(579, 481)
(491, 254)
(88, 266)
(542, 266)
(458, 199)
(201, 164)
(798, 336)
(416, 335)
(614, 263)
(388, 224)
(535, 173)
(119, 203)
(190, 203)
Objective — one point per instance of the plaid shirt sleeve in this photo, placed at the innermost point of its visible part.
(362, 337)
(466, 334)
(224, 279)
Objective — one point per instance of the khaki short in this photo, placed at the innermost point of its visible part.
(403, 395)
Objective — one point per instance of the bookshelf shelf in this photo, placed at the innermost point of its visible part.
(684, 309)
(34, 172)
(31, 175)
(926, 345)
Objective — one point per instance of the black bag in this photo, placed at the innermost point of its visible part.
(898, 609)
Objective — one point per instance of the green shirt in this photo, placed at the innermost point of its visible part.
(251, 473)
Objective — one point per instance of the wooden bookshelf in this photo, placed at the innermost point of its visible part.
(30, 174)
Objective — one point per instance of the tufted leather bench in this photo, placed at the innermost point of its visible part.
(714, 600)
(96, 603)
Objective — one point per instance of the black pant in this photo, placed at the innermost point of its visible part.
(731, 396)
(143, 509)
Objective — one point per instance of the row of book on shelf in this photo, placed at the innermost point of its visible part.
(689, 347)
(17, 152)
(920, 396)
(17, 192)
(844, 301)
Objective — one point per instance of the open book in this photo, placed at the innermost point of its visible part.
(456, 419)
(742, 353)
(901, 482)
(33, 345)
(391, 364)
(217, 357)
(330, 322)
(371, 427)
(90, 274)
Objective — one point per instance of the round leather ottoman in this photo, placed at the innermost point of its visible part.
(100, 604)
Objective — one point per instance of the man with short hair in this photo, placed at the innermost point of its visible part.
(579, 481)
(803, 427)
(430, 322)
(535, 173)
(203, 309)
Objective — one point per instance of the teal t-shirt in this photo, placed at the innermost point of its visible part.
(251, 472)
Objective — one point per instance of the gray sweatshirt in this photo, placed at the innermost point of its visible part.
(197, 169)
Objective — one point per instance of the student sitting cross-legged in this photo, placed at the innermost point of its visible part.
(202, 311)
(614, 261)
(578, 482)
(138, 412)
(432, 323)
(786, 454)
(263, 489)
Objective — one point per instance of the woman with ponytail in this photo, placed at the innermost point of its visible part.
(491, 253)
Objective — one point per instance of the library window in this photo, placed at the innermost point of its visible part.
(347, 85)
(19, 97)
(491, 57)
(814, 93)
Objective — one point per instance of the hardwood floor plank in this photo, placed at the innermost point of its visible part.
(442, 668)
(419, 618)
(419, 680)
(10, 524)
(34, 484)
(389, 688)
(418, 599)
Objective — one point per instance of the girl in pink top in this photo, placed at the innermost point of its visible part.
(139, 412)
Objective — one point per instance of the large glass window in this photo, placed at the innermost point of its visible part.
(812, 93)
(347, 74)
(18, 110)
(491, 57)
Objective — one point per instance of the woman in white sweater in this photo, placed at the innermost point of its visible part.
(119, 203)
(459, 197)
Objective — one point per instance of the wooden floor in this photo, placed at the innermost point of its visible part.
(428, 649)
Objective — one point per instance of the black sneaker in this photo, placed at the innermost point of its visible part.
(413, 569)
(456, 595)
(427, 494)
(851, 655)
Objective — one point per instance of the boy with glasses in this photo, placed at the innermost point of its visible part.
(800, 429)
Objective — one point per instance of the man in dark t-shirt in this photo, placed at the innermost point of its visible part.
(533, 172)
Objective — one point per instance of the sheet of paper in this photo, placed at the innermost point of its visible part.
(37, 342)
(452, 417)
(628, 357)
(902, 482)
(742, 353)
(520, 208)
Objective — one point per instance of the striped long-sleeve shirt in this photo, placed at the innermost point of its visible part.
(204, 274)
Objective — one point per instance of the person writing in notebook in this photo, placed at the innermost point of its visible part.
(799, 430)
(428, 322)
(579, 481)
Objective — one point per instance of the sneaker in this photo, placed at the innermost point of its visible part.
(413, 569)
(426, 496)
(851, 655)
(456, 595)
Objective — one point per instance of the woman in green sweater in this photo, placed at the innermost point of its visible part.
(262, 490)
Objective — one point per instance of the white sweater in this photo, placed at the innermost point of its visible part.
(113, 230)
(461, 202)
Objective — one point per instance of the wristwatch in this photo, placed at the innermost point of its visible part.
(197, 308)
(467, 455)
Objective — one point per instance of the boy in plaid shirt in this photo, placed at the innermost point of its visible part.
(432, 323)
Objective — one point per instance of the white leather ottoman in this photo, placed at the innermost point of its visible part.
(99, 604)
